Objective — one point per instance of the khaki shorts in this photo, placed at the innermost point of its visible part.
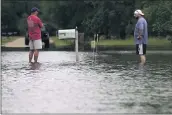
(35, 44)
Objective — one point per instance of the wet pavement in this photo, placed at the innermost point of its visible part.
(108, 83)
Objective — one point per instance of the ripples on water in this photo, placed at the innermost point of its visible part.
(105, 83)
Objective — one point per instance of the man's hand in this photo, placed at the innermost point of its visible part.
(139, 37)
(140, 34)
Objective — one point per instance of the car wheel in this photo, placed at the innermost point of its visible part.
(26, 42)
(47, 43)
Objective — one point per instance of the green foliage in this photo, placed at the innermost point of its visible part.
(106, 17)
(14, 14)
(22, 24)
(159, 15)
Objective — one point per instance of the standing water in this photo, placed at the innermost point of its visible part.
(108, 83)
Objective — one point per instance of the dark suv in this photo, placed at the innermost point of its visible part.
(44, 35)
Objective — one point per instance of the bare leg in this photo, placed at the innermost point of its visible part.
(143, 59)
(36, 54)
(31, 55)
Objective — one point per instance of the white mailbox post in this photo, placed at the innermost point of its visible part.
(70, 34)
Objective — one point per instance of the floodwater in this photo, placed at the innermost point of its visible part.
(105, 83)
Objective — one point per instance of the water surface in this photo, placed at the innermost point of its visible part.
(107, 82)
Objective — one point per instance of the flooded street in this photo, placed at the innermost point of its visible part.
(112, 83)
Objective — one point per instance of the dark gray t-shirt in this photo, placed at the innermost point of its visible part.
(141, 24)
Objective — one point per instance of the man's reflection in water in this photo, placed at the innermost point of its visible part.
(142, 70)
(35, 66)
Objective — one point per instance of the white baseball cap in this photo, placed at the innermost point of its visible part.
(138, 12)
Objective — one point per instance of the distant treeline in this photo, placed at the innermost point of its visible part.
(109, 18)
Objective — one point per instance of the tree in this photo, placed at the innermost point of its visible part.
(159, 15)
(110, 18)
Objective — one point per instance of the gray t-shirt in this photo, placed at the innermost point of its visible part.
(141, 24)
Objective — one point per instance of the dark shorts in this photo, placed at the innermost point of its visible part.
(141, 49)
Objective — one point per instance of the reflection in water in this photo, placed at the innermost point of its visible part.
(35, 66)
(113, 83)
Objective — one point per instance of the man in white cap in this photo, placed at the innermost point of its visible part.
(141, 35)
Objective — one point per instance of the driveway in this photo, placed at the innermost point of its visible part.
(19, 43)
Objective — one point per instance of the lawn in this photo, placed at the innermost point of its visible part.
(154, 42)
(5, 40)
(61, 43)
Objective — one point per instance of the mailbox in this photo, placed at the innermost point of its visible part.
(70, 34)
(67, 34)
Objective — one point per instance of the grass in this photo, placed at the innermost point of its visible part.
(61, 43)
(5, 40)
(154, 42)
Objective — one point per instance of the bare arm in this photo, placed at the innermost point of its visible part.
(140, 30)
(40, 23)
